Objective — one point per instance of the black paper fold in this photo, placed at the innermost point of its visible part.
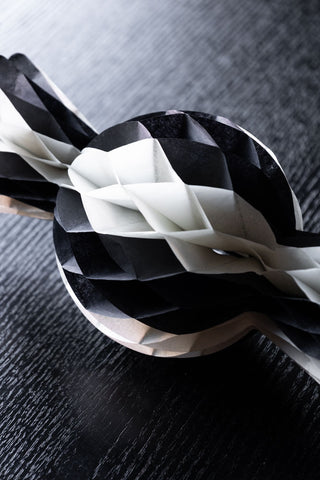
(35, 99)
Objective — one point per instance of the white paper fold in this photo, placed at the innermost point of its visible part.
(133, 191)
(47, 156)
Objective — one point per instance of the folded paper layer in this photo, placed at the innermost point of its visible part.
(40, 134)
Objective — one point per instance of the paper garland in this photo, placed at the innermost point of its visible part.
(176, 232)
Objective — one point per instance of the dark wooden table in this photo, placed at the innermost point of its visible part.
(75, 405)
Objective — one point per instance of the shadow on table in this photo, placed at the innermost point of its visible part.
(141, 417)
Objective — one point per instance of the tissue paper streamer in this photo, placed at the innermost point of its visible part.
(40, 134)
(176, 232)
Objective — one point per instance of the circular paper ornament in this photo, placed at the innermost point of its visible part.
(185, 236)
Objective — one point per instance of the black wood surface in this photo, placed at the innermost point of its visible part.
(75, 405)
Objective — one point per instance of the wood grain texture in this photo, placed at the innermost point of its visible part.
(75, 405)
